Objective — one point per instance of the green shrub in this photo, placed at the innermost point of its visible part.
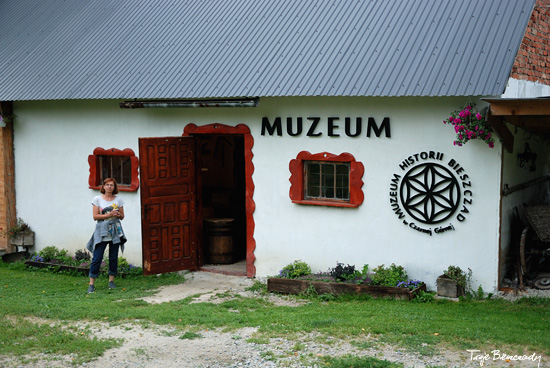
(343, 273)
(295, 270)
(82, 255)
(127, 268)
(389, 276)
(51, 253)
(350, 274)
(462, 278)
(424, 297)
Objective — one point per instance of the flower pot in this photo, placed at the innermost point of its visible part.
(448, 287)
(23, 239)
(293, 286)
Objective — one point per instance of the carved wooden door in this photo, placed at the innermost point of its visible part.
(168, 220)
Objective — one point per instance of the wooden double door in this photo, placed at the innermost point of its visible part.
(179, 176)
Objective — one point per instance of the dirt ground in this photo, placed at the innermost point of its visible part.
(160, 346)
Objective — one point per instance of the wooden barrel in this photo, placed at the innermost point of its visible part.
(219, 233)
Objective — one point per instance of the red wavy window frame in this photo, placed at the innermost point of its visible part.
(356, 172)
(93, 161)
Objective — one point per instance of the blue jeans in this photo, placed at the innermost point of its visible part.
(98, 258)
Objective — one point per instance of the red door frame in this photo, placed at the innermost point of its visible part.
(240, 129)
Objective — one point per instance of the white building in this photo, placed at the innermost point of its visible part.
(358, 90)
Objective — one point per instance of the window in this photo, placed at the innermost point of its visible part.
(117, 167)
(122, 165)
(326, 179)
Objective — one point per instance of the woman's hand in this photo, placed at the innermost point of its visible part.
(119, 213)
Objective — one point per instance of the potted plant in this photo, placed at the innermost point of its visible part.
(453, 283)
(20, 234)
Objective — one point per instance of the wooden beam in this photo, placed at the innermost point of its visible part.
(533, 123)
(6, 108)
(7, 162)
(499, 127)
(510, 107)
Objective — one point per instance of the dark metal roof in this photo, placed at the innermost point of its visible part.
(114, 49)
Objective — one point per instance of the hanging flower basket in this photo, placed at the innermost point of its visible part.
(470, 124)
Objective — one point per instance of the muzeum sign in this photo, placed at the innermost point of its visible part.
(430, 194)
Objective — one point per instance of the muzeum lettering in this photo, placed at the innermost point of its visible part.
(453, 182)
(313, 126)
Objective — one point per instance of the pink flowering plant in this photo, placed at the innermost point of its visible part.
(470, 124)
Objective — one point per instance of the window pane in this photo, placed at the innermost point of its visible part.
(117, 167)
(104, 168)
(313, 179)
(328, 180)
(126, 170)
(342, 181)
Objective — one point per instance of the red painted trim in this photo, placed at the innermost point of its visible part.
(215, 129)
(93, 161)
(191, 129)
(296, 168)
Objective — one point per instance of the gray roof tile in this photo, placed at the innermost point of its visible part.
(104, 49)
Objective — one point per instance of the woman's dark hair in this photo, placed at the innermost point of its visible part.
(102, 190)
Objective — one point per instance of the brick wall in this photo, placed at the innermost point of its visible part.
(533, 59)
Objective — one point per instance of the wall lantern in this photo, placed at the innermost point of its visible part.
(241, 102)
(527, 158)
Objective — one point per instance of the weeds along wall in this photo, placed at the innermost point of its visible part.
(54, 138)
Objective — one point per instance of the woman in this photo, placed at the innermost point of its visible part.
(108, 211)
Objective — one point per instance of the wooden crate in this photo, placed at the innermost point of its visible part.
(448, 288)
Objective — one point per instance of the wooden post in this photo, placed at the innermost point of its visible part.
(7, 174)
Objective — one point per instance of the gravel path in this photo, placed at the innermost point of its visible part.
(158, 346)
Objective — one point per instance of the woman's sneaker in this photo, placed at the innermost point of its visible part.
(91, 289)
(112, 285)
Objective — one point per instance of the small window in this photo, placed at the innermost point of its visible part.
(117, 167)
(326, 179)
(122, 165)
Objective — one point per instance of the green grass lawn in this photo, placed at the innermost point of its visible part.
(425, 328)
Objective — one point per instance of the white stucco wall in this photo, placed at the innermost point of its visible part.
(517, 88)
(53, 141)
